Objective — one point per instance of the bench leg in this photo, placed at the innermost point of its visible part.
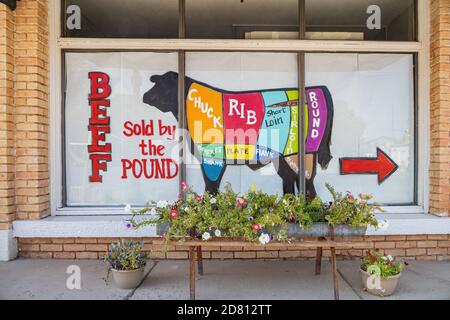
(200, 260)
(318, 260)
(335, 274)
(192, 273)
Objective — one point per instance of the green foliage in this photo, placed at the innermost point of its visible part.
(386, 264)
(353, 211)
(255, 215)
(126, 256)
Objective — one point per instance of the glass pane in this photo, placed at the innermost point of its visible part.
(242, 117)
(372, 138)
(391, 20)
(120, 18)
(241, 19)
(120, 146)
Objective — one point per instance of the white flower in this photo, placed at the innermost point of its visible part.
(390, 258)
(217, 233)
(186, 209)
(162, 204)
(127, 208)
(384, 258)
(383, 225)
(264, 238)
(213, 200)
(206, 236)
(153, 212)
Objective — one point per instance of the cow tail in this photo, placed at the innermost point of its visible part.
(324, 153)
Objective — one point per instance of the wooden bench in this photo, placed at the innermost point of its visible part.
(195, 253)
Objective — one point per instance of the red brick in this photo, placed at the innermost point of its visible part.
(245, 255)
(177, 255)
(267, 254)
(51, 247)
(416, 252)
(64, 255)
(86, 255)
(222, 255)
(427, 244)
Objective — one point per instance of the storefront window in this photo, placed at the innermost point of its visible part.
(122, 116)
(372, 140)
(118, 147)
(120, 18)
(361, 20)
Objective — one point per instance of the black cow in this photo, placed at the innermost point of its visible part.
(164, 96)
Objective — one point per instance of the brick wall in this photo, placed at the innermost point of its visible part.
(7, 126)
(440, 107)
(414, 247)
(24, 174)
(32, 108)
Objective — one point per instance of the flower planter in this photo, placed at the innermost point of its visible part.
(127, 279)
(387, 285)
(319, 229)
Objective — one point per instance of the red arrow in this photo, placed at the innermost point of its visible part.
(382, 165)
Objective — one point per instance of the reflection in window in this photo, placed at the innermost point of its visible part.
(120, 18)
(237, 19)
(361, 19)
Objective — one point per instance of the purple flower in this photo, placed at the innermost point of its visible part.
(129, 225)
(271, 238)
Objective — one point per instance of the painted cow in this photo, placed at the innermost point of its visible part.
(252, 128)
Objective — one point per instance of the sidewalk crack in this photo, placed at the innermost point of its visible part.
(131, 293)
(349, 284)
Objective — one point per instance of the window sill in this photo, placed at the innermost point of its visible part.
(114, 226)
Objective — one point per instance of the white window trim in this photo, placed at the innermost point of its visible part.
(57, 44)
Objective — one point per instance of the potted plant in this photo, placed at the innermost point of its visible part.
(127, 261)
(380, 274)
(351, 215)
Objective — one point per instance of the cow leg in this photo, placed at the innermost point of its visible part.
(212, 186)
(287, 174)
(310, 189)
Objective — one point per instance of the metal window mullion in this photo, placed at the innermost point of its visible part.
(181, 93)
(301, 101)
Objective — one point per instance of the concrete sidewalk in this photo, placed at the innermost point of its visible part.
(230, 279)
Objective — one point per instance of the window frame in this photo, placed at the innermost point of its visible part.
(58, 45)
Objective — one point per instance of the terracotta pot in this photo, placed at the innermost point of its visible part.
(387, 285)
(127, 279)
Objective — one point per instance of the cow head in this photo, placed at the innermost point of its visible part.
(164, 94)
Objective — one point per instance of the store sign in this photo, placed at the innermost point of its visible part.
(118, 150)
(99, 124)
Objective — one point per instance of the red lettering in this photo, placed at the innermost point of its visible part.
(98, 163)
(98, 134)
(149, 168)
(126, 165)
(128, 125)
(99, 124)
(100, 88)
(99, 115)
